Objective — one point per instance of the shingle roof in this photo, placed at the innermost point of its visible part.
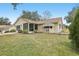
(41, 21)
(55, 19)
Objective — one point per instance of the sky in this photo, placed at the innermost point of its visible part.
(56, 9)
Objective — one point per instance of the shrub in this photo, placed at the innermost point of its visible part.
(24, 31)
(6, 32)
(19, 31)
(35, 31)
(13, 30)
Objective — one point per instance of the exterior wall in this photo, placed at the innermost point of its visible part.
(60, 26)
(55, 28)
(40, 28)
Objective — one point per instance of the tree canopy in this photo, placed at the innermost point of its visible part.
(4, 21)
(46, 14)
(14, 5)
(71, 15)
(32, 15)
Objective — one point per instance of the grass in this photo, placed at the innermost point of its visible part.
(36, 45)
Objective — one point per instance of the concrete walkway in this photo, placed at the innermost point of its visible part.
(8, 33)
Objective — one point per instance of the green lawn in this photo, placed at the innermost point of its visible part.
(36, 44)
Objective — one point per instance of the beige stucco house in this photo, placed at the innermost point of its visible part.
(53, 25)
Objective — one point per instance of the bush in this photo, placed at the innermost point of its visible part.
(74, 31)
(35, 31)
(19, 31)
(13, 30)
(24, 31)
(6, 32)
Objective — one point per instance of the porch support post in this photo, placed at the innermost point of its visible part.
(22, 27)
(28, 27)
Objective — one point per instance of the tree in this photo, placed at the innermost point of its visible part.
(70, 16)
(46, 15)
(30, 15)
(74, 30)
(66, 26)
(4, 21)
(15, 5)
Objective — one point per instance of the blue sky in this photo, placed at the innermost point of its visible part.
(57, 10)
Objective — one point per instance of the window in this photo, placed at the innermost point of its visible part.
(47, 26)
(36, 27)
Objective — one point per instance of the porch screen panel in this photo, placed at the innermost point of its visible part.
(31, 27)
(25, 26)
(18, 27)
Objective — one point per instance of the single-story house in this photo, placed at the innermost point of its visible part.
(54, 25)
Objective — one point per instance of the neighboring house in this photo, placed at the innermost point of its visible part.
(53, 25)
(4, 28)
